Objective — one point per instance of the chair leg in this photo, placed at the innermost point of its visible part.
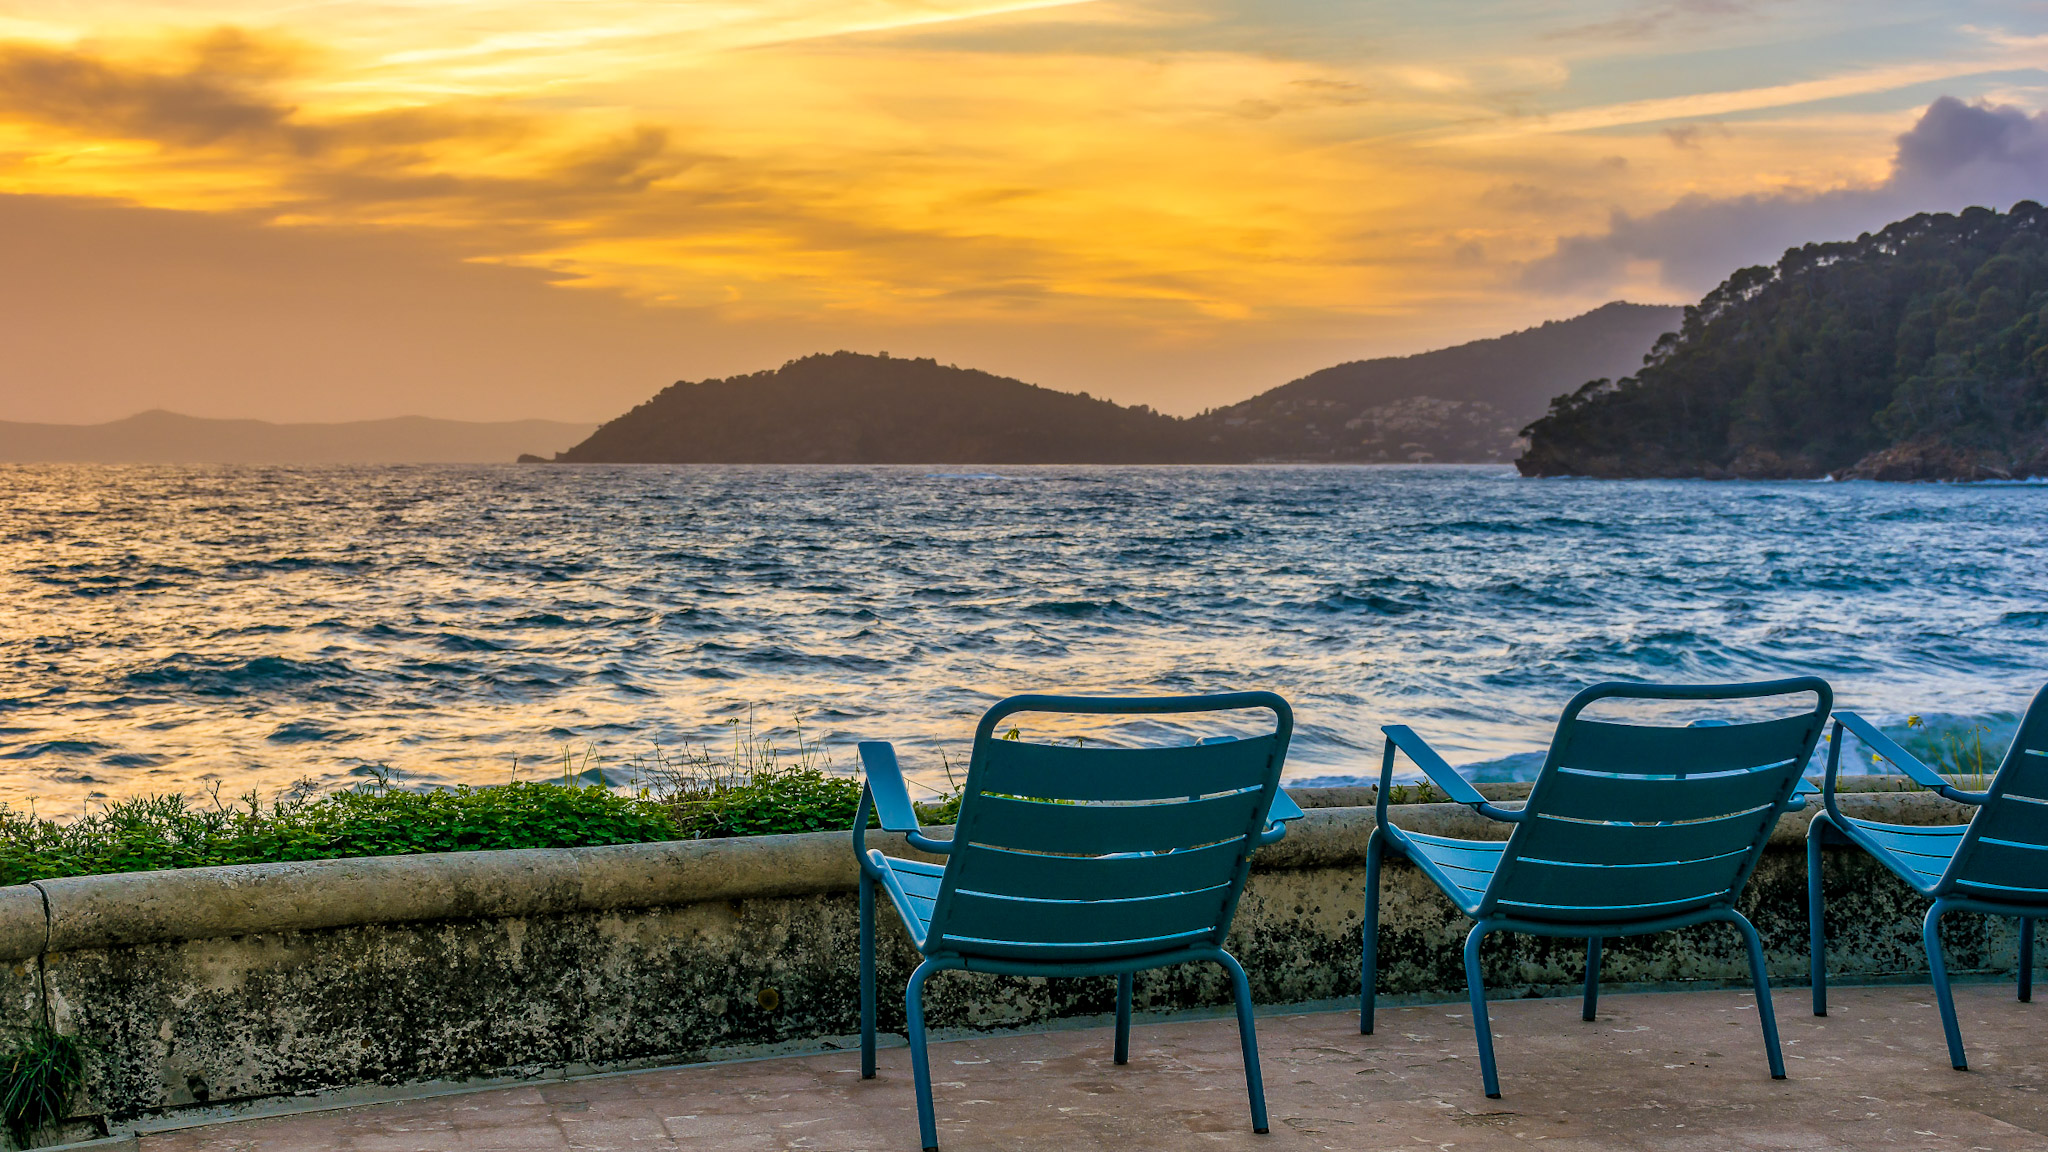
(1816, 916)
(2026, 959)
(1766, 1014)
(1369, 960)
(1123, 1017)
(1937, 969)
(1592, 978)
(1248, 1037)
(1482, 1028)
(920, 1064)
(867, 976)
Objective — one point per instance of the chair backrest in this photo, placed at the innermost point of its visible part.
(1639, 822)
(1078, 853)
(2004, 855)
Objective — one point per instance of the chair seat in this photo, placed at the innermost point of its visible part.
(1918, 853)
(1462, 868)
(916, 887)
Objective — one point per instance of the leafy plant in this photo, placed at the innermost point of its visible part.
(43, 1070)
(147, 833)
(1960, 755)
(758, 788)
(755, 787)
(1420, 792)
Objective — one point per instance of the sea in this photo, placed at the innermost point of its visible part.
(222, 630)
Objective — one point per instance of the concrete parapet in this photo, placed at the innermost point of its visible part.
(212, 985)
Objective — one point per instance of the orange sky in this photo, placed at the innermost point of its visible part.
(349, 209)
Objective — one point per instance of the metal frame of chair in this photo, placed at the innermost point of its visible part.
(1997, 864)
(1072, 861)
(1629, 829)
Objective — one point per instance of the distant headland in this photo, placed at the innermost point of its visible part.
(159, 437)
(1916, 353)
(1465, 404)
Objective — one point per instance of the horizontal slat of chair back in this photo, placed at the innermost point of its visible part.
(1601, 746)
(2002, 870)
(977, 923)
(1050, 772)
(1639, 821)
(1608, 890)
(1583, 796)
(1102, 829)
(2015, 818)
(1584, 842)
(1085, 853)
(2025, 772)
(983, 869)
(2001, 852)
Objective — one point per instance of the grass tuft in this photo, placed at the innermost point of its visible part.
(42, 1071)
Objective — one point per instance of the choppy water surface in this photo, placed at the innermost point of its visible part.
(161, 628)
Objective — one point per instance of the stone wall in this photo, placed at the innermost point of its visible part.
(213, 986)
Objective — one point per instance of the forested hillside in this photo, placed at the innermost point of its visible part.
(1466, 403)
(847, 408)
(1462, 404)
(1920, 352)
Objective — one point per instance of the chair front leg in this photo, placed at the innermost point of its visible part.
(1482, 1028)
(1937, 970)
(1766, 1014)
(1124, 981)
(867, 976)
(2026, 959)
(1247, 1038)
(920, 1065)
(1816, 915)
(1592, 1003)
(1369, 958)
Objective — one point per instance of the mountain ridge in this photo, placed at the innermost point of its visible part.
(849, 408)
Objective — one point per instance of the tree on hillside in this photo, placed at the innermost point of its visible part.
(1922, 349)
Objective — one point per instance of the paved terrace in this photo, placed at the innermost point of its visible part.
(1662, 1071)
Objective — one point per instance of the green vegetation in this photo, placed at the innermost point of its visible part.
(43, 1070)
(754, 789)
(152, 832)
(1920, 352)
(1959, 753)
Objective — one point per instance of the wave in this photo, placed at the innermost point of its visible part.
(53, 748)
(214, 676)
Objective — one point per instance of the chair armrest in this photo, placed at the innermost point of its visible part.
(1899, 758)
(891, 797)
(1799, 794)
(1284, 809)
(886, 796)
(1439, 772)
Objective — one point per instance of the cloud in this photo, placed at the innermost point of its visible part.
(1957, 155)
(212, 95)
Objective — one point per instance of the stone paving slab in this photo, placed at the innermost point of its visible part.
(1670, 1072)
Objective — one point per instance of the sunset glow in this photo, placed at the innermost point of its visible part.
(1199, 199)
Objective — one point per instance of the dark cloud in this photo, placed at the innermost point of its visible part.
(218, 91)
(212, 93)
(1955, 142)
(1956, 156)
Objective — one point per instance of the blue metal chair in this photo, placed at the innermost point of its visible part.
(1077, 861)
(1629, 829)
(1997, 864)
